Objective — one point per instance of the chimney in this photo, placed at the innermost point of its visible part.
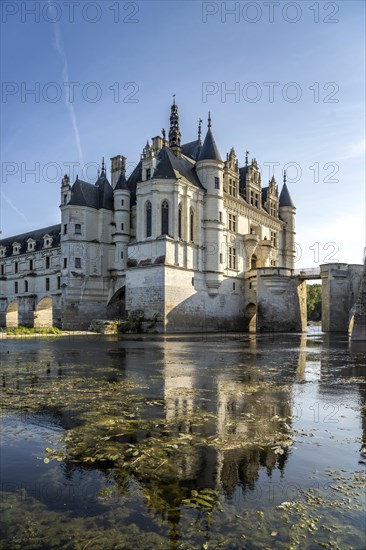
(118, 165)
(157, 143)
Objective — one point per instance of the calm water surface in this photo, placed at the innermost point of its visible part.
(183, 442)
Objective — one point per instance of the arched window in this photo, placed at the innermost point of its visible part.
(25, 286)
(180, 212)
(148, 219)
(191, 225)
(253, 262)
(165, 218)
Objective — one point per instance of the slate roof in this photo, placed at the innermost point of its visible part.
(264, 197)
(242, 176)
(122, 182)
(133, 180)
(192, 149)
(209, 149)
(170, 166)
(105, 193)
(37, 235)
(95, 196)
(285, 197)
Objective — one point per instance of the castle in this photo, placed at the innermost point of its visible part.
(187, 242)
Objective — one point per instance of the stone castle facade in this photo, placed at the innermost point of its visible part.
(185, 242)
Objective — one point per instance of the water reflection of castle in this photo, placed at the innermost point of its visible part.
(239, 406)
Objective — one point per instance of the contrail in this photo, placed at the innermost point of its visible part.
(65, 75)
(14, 207)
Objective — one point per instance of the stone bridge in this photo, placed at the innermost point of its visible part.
(281, 297)
(40, 310)
(341, 285)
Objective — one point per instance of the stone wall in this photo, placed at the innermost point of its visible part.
(190, 308)
(359, 326)
(281, 301)
(341, 284)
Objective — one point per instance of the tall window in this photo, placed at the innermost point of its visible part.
(16, 268)
(253, 262)
(232, 187)
(232, 222)
(180, 234)
(164, 218)
(274, 238)
(47, 262)
(65, 228)
(16, 287)
(148, 219)
(77, 229)
(25, 286)
(65, 263)
(148, 173)
(273, 209)
(191, 225)
(77, 263)
(2, 269)
(58, 283)
(47, 283)
(217, 183)
(31, 265)
(232, 258)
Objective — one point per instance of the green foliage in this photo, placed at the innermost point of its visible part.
(314, 302)
(26, 330)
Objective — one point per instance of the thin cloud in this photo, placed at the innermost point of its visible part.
(355, 150)
(13, 207)
(59, 46)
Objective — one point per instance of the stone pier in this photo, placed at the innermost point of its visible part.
(341, 286)
(281, 301)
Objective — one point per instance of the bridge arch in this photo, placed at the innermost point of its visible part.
(12, 314)
(116, 307)
(43, 315)
(250, 314)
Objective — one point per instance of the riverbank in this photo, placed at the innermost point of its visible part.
(4, 335)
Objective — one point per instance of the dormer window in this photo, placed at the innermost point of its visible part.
(16, 248)
(31, 245)
(148, 173)
(2, 251)
(47, 241)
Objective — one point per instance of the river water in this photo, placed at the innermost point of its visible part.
(183, 442)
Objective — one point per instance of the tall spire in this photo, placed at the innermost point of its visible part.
(285, 197)
(246, 158)
(209, 120)
(174, 131)
(103, 168)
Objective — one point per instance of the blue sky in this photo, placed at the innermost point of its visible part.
(310, 51)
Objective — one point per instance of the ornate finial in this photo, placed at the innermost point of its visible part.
(199, 129)
(246, 158)
(174, 131)
(209, 120)
(284, 176)
(163, 133)
(103, 167)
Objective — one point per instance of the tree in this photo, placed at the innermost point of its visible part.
(314, 302)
